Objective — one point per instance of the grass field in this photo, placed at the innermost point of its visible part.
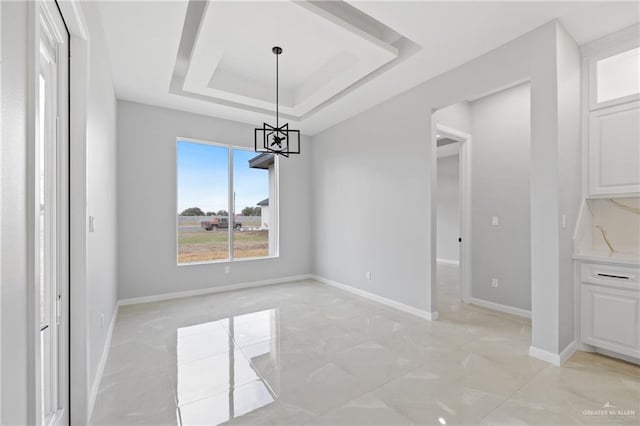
(197, 245)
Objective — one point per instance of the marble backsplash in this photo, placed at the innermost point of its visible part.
(615, 225)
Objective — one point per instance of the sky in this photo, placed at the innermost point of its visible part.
(203, 178)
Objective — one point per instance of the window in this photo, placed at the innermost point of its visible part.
(618, 76)
(227, 203)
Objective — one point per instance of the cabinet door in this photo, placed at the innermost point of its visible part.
(610, 319)
(614, 150)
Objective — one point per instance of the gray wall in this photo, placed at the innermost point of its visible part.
(101, 191)
(147, 181)
(383, 156)
(448, 208)
(375, 162)
(500, 186)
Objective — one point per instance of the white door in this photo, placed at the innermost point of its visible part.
(51, 257)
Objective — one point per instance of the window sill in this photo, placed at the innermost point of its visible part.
(228, 262)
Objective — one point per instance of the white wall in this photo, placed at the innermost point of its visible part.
(569, 156)
(500, 186)
(456, 116)
(1, 108)
(147, 182)
(264, 218)
(100, 185)
(384, 155)
(101, 191)
(448, 208)
(13, 217)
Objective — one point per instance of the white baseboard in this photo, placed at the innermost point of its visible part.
(567, 352)
(95, 387)
(379, 299)
(210, 290)
(589, 348)
(499, 307)
(627, 358)
(448, 262)
(552, 358)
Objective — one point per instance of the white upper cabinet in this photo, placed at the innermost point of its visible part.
(614, 150)
(612, 115)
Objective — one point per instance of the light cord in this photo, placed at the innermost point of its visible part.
(277, 99)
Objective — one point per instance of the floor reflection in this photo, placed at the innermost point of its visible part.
(324, 357)
(216, 382)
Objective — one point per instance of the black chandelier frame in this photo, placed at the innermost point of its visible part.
(278, 139)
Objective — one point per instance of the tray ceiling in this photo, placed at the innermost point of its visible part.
(340, 58)
(323, 55)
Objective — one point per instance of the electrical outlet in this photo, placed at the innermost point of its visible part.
(495, 221)
(368, 275)
(494, 282)
(101, 320)
(227, 269)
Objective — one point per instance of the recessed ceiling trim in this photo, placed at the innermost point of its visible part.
(340, 55)
(150, 48)
(353, 57)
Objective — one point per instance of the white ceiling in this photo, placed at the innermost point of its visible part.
(339, 58)
(231, 58)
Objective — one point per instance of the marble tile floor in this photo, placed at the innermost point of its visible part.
(307, 354)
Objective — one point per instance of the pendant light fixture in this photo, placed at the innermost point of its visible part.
(278, 139)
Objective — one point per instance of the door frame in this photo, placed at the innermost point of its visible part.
(76, 371)
(464, 200)
(79, 381)
(40, 11)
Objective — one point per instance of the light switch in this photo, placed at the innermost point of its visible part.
(494, 220)
(564, 220)
(92, 224)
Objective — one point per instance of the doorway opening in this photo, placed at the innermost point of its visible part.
(453, 171)
(483, 193)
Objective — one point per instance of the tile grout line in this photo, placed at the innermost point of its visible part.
(508, 398)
